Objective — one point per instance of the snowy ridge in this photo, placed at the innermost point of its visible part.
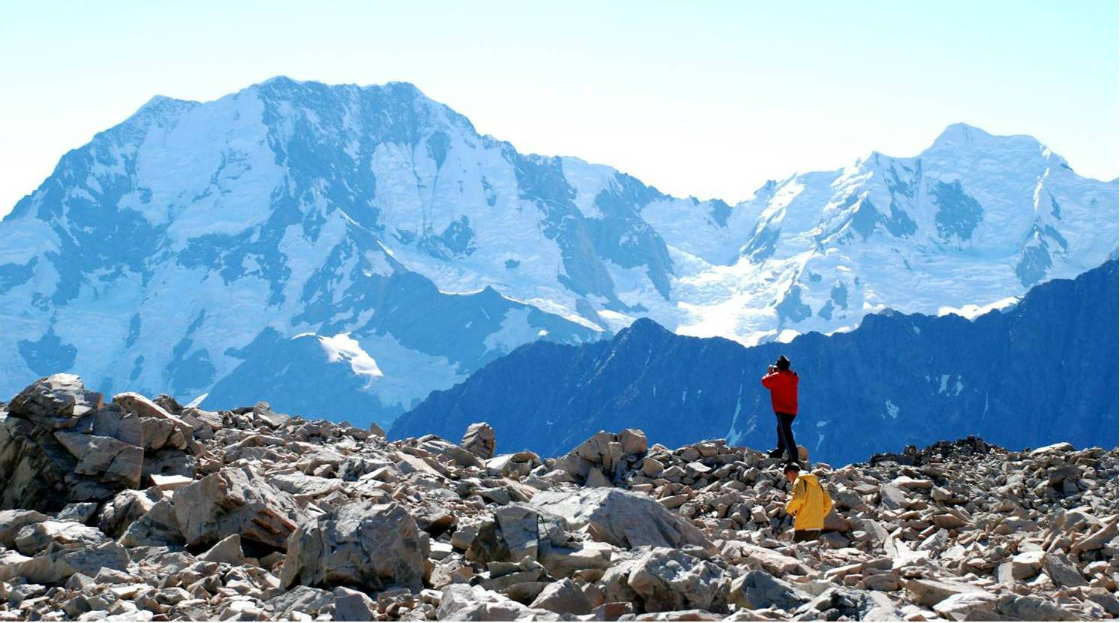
(189, 248)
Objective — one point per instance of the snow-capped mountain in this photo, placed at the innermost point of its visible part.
(369, 241)
(973, 221)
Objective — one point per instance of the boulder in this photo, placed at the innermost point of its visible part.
(169, 462)
(622, 518)
(227, 550)
(562, 597)
(301, 601)
(12, 520)
(1097, 539)
(460, 602)
(55, 402)
(106, 459)
(931, 592)
(1032, 608)
(1061, 571)
(758, 589)
(159, 527)
(81, 512)
(518, 523)
(479, 440)
(633, 442)
(35, 470)
(263, 413)
(665, 580)
(971, 606)
(775, 562)
(125, 508)
(146, 409)
(1056, 448)
(57, 563)
(235, 501)
(893, 498)
(361, 544)
(34, 538)
(1026, 564)
(352, 605)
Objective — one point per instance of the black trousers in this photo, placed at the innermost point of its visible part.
(801, 536)
(785, 435)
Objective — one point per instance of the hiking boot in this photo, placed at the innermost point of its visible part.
(776, 453)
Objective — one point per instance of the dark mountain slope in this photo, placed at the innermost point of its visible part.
(1042, 371)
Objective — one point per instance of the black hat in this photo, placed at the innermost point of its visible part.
(792, 467)
(783, 363)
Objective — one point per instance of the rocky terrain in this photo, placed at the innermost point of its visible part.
(136, 509)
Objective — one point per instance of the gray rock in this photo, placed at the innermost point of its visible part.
(80, 512)
(263, 412)
(562, 597)
(159, 527)
(461, 602)
(55, 401)
(352, 605)
(305, 600)
(362, 545)
(169, 462)
(893, 497)
(622, 518)
(1097, 539)
(1032, 608)
(235, 501)
(1061, 571)
(104, 458)
(227, 550)
(759, 589)
(666, 580)
(35, 469)
(518, 523)
(931, 592)
(12, 520)
(775, 562)
(34, 538)
(125, 508)
(972, 606)
(58, 563)
(479, 440)
(135, 403)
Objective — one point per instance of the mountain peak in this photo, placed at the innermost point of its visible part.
(964, 137)
(644, 327)
(960, 133)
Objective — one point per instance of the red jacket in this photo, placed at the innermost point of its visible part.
(783, 390)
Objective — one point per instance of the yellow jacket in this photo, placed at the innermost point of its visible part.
(810, 503)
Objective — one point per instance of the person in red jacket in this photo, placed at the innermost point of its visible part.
(782, 383)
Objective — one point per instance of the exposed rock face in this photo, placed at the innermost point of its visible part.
(278, 517)
(60, 443)
(235, 501)
(373, 546)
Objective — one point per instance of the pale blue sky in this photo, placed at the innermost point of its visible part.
(703, 98)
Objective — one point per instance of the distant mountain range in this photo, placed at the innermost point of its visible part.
(343, 250)
(1042, 371)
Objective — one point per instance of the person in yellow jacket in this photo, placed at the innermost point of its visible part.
(809, 505)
